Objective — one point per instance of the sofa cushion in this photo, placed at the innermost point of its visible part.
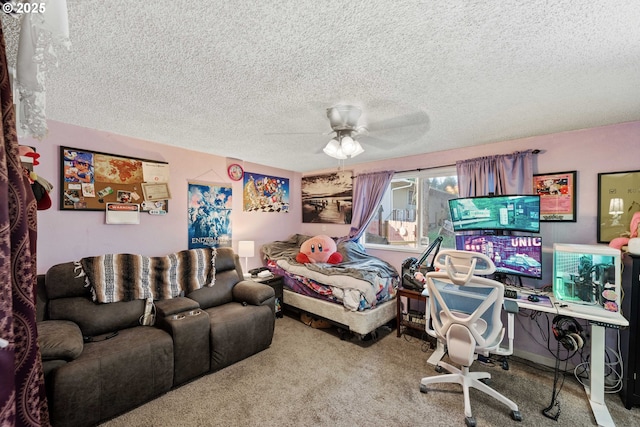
(111, 377)
(63, 281)
(97, 319)
(238, 331)
(227, 275)
(59, 339)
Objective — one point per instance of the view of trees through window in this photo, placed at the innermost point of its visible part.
(415, 210)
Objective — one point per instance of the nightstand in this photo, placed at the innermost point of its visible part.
(276, 282)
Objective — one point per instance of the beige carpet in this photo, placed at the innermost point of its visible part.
(309, 377)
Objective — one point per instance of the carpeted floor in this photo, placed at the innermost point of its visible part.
(309, 377)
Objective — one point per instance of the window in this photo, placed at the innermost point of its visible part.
(415, 210)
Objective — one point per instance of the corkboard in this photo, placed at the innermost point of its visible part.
(91, 179)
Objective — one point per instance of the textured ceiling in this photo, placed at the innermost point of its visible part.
(253, 80)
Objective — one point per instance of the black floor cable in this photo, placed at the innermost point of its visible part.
(556, 390)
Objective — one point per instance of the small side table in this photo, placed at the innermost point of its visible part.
(400, 321)
(277, 283)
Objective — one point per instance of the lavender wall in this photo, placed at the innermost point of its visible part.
(588, 151)
(68, 236)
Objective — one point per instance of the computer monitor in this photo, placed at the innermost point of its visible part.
(517, 255)
(500, 213)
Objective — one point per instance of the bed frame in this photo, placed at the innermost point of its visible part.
(357, 322)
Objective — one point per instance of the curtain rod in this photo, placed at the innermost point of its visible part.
(536, 151)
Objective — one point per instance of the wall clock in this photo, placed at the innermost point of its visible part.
(235, 172)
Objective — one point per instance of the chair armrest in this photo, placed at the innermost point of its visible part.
(253, 293)
(167, 307)
(59, 340)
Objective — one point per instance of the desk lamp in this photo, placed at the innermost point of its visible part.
(246, 249)
(616, 210)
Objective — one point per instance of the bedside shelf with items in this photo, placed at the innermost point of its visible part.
(277, 283)
(412, 319)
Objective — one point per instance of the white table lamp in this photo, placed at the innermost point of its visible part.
(246, 249)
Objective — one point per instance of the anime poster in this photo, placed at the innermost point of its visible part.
(209, 208)
(265, 193)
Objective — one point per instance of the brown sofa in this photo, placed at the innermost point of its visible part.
(99, 361)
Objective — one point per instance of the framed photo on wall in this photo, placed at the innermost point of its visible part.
(327, 198)
(618, 200)
(557, 193)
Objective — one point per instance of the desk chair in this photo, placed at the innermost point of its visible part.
(465, 313)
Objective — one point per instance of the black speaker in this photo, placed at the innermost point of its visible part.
(569, 332)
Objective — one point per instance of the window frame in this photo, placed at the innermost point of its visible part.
(420, 175)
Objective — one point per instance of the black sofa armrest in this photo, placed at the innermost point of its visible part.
(253, 293)
(167, 307)
(59, 340)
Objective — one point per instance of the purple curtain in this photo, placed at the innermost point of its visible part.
(22, 395)
(367, 193)
(501, 175)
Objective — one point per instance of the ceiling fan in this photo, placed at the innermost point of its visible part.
(344, 120)
(349, 130)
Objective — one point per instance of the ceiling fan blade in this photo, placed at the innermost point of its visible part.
(418, 119)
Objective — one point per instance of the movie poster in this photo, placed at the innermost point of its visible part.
(209, 207)
(265, 193)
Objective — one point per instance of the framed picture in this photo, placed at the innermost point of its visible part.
(327, 198)
(618, 200)
(557, 193)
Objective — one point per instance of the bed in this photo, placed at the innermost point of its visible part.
(357, 295)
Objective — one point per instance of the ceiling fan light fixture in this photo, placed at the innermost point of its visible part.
(359, 150)
(348, 145)
(340, 154)
(332, 147)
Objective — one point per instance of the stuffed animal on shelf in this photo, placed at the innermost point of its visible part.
(634, 229)
(40, 186)
(319, 248)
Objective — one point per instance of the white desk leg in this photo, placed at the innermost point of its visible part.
(595, 390)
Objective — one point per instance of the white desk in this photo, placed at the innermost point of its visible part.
(595, 388)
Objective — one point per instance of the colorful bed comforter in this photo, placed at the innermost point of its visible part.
(360, 282)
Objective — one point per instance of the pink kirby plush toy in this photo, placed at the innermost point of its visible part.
(319, 248)
(634, 230)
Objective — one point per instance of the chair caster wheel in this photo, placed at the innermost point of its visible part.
(516, 415)
(423, 388)
(439, 369)
(470, 421)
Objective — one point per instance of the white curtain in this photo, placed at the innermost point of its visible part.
(40, 33)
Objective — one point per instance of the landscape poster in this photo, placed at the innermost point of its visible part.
(327, 198)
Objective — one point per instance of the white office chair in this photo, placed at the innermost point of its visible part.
(465, 314)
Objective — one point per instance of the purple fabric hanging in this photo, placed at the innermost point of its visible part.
(22, 394)
(502, 175)
(367, 193)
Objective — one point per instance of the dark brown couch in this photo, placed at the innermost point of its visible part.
(99, 361)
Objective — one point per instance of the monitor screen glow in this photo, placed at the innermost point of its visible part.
(517, 255)
(504, 213)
